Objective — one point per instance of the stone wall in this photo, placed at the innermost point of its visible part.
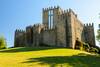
(29, 36)
(49, 37)
(37, 35)
(74, 29)
(61, 31)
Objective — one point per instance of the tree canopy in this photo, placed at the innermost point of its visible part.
(2, 42)
(98, 35)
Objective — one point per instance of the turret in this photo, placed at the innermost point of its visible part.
(29, 35)
(89, 34)
(19, 40)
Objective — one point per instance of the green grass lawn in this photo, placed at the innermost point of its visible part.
(47, 57)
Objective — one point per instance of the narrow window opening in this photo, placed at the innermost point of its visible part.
(50, 19)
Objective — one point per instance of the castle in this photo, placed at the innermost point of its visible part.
(59, 28)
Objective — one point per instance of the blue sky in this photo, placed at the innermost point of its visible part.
(21, 13)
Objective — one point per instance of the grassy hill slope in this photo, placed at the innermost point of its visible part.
(47, 57)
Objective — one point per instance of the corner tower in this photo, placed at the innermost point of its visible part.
(89, 34)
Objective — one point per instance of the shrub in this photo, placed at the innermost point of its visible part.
(94, 50)
(98, 48)
(86, 47)
(3, 44)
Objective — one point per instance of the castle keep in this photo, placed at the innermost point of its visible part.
(59, 28)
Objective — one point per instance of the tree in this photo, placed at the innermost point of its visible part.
(98, 35)
(2, 42)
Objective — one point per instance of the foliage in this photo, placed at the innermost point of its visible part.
(3, 44)
(86, 47)
(93, 49)
(98, 35)
(98, 48)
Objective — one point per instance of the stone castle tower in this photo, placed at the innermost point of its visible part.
(59, 28)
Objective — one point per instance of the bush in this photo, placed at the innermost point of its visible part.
(94, 50)
(98, 49)
(3, 44)
(86, 47)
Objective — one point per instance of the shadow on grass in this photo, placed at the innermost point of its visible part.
(80, 60)
(25, 49)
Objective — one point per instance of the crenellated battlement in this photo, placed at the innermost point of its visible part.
(89, 25)
(70, 11)
(37, 26)
(51, 8)
(29, 27)
(19, 30)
